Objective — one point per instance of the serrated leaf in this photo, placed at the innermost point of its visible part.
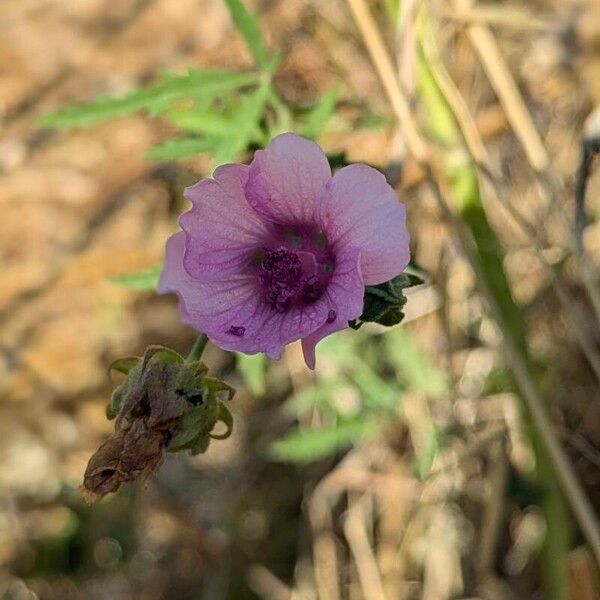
(179, 148)
(305, 445)
(208, 122)
(248, 26)
(252, 368)
(141, 281)
(173, 88)
(246, 119)
(320, 114)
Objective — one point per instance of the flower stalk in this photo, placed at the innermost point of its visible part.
(198, 348)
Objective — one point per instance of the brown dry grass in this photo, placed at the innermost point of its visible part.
(79, 207)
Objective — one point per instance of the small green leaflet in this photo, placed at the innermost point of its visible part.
(320, 114)
(208, 122)
(223, 136)
(179, 148)
(246, 119)
(318, 396)
(172, 88)
(306, 445)
(248, 26)
(413, 365)
(141, 281)
(253, 369)
(393, 8)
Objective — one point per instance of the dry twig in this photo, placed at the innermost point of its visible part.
(524, 127)
(358, 540)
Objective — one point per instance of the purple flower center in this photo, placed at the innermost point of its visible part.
(294, 276)
(281, 274)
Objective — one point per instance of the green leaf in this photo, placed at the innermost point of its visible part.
(413, 364)
(283, 116)
(393, 9)
(320, 114)
(315, 397)
(248, 26)
(377, 393)
(246, 120)
(305, 445)
(430, 442)
(371, 120)
(195, 84)
(208, 122)
(179, 148)
(141, 281)
(252, 368)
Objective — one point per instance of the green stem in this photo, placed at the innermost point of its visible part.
(197, 348)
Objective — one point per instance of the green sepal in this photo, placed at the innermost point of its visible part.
(199, 445)
(171, 394)
(196, 423)
(162, 353)
(129, 366)
(124, 365)
(216, 386)
(226, 417)
(383, 303)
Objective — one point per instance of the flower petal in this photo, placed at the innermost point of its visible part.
(174, 278)
(222, 231)
(344, 298)
(232, 311)
(285, 179)
(359, 208)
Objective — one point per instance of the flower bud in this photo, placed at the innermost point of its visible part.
(383, 303)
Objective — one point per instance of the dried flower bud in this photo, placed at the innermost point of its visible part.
(164, 404)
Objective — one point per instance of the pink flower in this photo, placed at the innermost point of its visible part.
(280, 250)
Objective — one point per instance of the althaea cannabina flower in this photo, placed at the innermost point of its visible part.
(280, 250)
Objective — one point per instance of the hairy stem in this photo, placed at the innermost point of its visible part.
(198, 348)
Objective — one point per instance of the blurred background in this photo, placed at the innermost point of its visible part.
(404, 467)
